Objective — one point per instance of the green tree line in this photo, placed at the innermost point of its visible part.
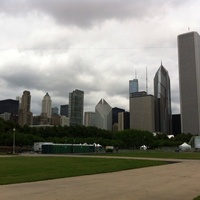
(129, 139)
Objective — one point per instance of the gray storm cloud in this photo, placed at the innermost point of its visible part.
(85, 13)
(57, 46)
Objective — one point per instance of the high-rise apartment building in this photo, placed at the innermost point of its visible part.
(189, 81)
(162, 95)
(76, 103)
(133, 86)
(142, 112)
(103, 115)
(25, 115)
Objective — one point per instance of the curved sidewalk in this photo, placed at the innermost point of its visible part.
(178, 181)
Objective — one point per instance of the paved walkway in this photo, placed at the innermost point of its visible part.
(179, 181)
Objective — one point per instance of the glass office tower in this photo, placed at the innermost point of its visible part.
(76, 102)
(162, 95)
(133, 86)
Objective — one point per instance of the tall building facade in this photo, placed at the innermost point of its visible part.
(176, 124)
(54, 111)
(25, 114)
(103, 115)
(115, 112)
(133, 86)
(189, 81)
(76, 103)
(142, 112)
(46, 105)
(64, 120)
(162, 95)
(10, 106)
(89, 119)
(56, 120)
(64, 110)
(123, 121)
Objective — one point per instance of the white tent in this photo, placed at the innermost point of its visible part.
(185, 147)
(143, 147)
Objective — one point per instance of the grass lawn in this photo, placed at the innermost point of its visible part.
(18, 169)
(156, 154)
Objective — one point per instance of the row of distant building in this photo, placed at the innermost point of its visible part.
(19, 110)
(104, 117)
(146, 111)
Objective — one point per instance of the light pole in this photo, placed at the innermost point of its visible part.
(13, 140)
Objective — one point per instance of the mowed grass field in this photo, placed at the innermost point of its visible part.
(18, 169)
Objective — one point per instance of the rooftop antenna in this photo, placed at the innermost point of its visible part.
(135, 74)
(188, 28)
(146, 81)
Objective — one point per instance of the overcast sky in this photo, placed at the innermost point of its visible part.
(93, 45)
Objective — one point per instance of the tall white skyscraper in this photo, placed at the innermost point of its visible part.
(46, 105)
(189, 80)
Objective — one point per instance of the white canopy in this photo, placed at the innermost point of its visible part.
(185, 147)
(143, 147)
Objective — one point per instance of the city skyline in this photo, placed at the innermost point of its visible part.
(96, 47)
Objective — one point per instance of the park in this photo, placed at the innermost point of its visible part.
(123, 175)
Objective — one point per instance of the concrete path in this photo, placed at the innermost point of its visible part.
(179, 181)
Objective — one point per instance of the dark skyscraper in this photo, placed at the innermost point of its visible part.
(10, 106)
(76, 102)
(162, 95)
(64, 110)
(115, 112)
(189, 81)
(123, 121)
(176, 124)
